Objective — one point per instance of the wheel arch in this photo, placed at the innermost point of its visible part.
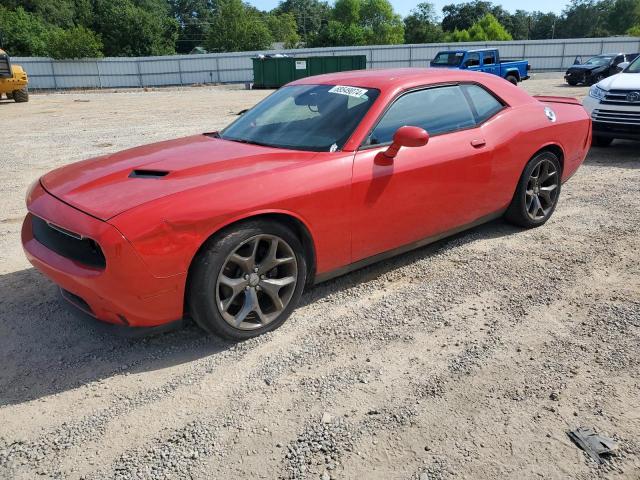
(554, 148)
(513, 72)
(287, 218)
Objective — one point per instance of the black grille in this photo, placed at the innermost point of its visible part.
(5, 66)
(68, 244)
(619, 97)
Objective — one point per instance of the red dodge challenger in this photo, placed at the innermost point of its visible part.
(327, 174)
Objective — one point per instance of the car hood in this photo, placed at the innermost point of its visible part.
(107, 186)
(621, 81)
(588, 68)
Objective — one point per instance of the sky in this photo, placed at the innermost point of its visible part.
(403, 7)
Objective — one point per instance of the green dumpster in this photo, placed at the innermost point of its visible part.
(273, 72)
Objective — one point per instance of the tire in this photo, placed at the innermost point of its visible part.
(9, 95)
(573, 83)
(21, 96)
(513, 79)
(524, 211)
(597, 79)
(597, 141)
(231, 295)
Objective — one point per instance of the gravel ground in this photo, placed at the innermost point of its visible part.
(469, 358)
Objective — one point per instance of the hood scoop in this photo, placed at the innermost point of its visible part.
(142, 173)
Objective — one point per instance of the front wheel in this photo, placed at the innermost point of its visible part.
(513, 79)
(572, 82)
(21, 96)
(597, 141)
(247, 281)
(537, 193)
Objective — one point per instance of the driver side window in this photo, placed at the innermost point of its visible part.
(438, 110)
(473, 60)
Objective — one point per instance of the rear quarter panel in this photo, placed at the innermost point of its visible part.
(518, 133)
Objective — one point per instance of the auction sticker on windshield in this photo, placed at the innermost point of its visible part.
(350, 91)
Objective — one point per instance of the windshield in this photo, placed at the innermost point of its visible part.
(319, 118)
(448, 59)
(598, 61)
(634, 67)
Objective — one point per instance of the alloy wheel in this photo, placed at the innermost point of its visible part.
(256, 282)
(542, 190)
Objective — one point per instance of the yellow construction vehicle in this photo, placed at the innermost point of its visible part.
(13, 80)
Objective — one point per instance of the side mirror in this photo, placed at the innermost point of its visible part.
(404, 137)
(622, 66)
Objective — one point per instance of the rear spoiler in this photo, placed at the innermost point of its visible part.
(552, 99)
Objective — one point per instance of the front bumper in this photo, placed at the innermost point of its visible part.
(581, 76)
(124, 292)
(616, 130)
(613, 121)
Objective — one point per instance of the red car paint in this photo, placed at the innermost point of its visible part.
(352, 207)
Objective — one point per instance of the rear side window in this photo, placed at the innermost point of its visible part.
(483, 103)
(489, 58)
(437, 110)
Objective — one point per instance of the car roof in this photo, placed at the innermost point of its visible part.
(390, 78)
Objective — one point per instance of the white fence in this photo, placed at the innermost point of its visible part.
(45, 73)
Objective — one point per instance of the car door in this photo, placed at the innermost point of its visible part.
(489, 64)
(429, 190)
(614, 64)
(472, 62)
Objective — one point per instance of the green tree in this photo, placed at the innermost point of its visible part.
(584, 19)
(422, 25)
(463, 15)
(543, 26)
(24, 34)
(284, 29)
(194, 18)
(492, 28)
(623, 15)
(486, 29)
(76, 42)
(458, 36)
(310, 16)
(235, 28)
(382, 25)
(135, 27)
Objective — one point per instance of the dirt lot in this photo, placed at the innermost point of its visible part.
(470, 358)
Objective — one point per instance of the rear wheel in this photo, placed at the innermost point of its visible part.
(247, 281)
(21, 96)
(9, 95)
(601, 141)
(537, 193)
(513, 79)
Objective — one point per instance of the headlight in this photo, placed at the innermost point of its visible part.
(596, 92)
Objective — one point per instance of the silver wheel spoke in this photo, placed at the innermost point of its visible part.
(250, 305)
(271, 260)
(236, 285)
(260, 268)
(272, 288)
(539, 193)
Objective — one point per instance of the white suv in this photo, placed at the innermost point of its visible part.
(614, 106)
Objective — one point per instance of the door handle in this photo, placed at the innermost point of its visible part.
(478, 142)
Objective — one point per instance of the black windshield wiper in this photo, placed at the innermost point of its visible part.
(249, 142)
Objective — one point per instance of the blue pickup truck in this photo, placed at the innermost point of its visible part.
(486, 60)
